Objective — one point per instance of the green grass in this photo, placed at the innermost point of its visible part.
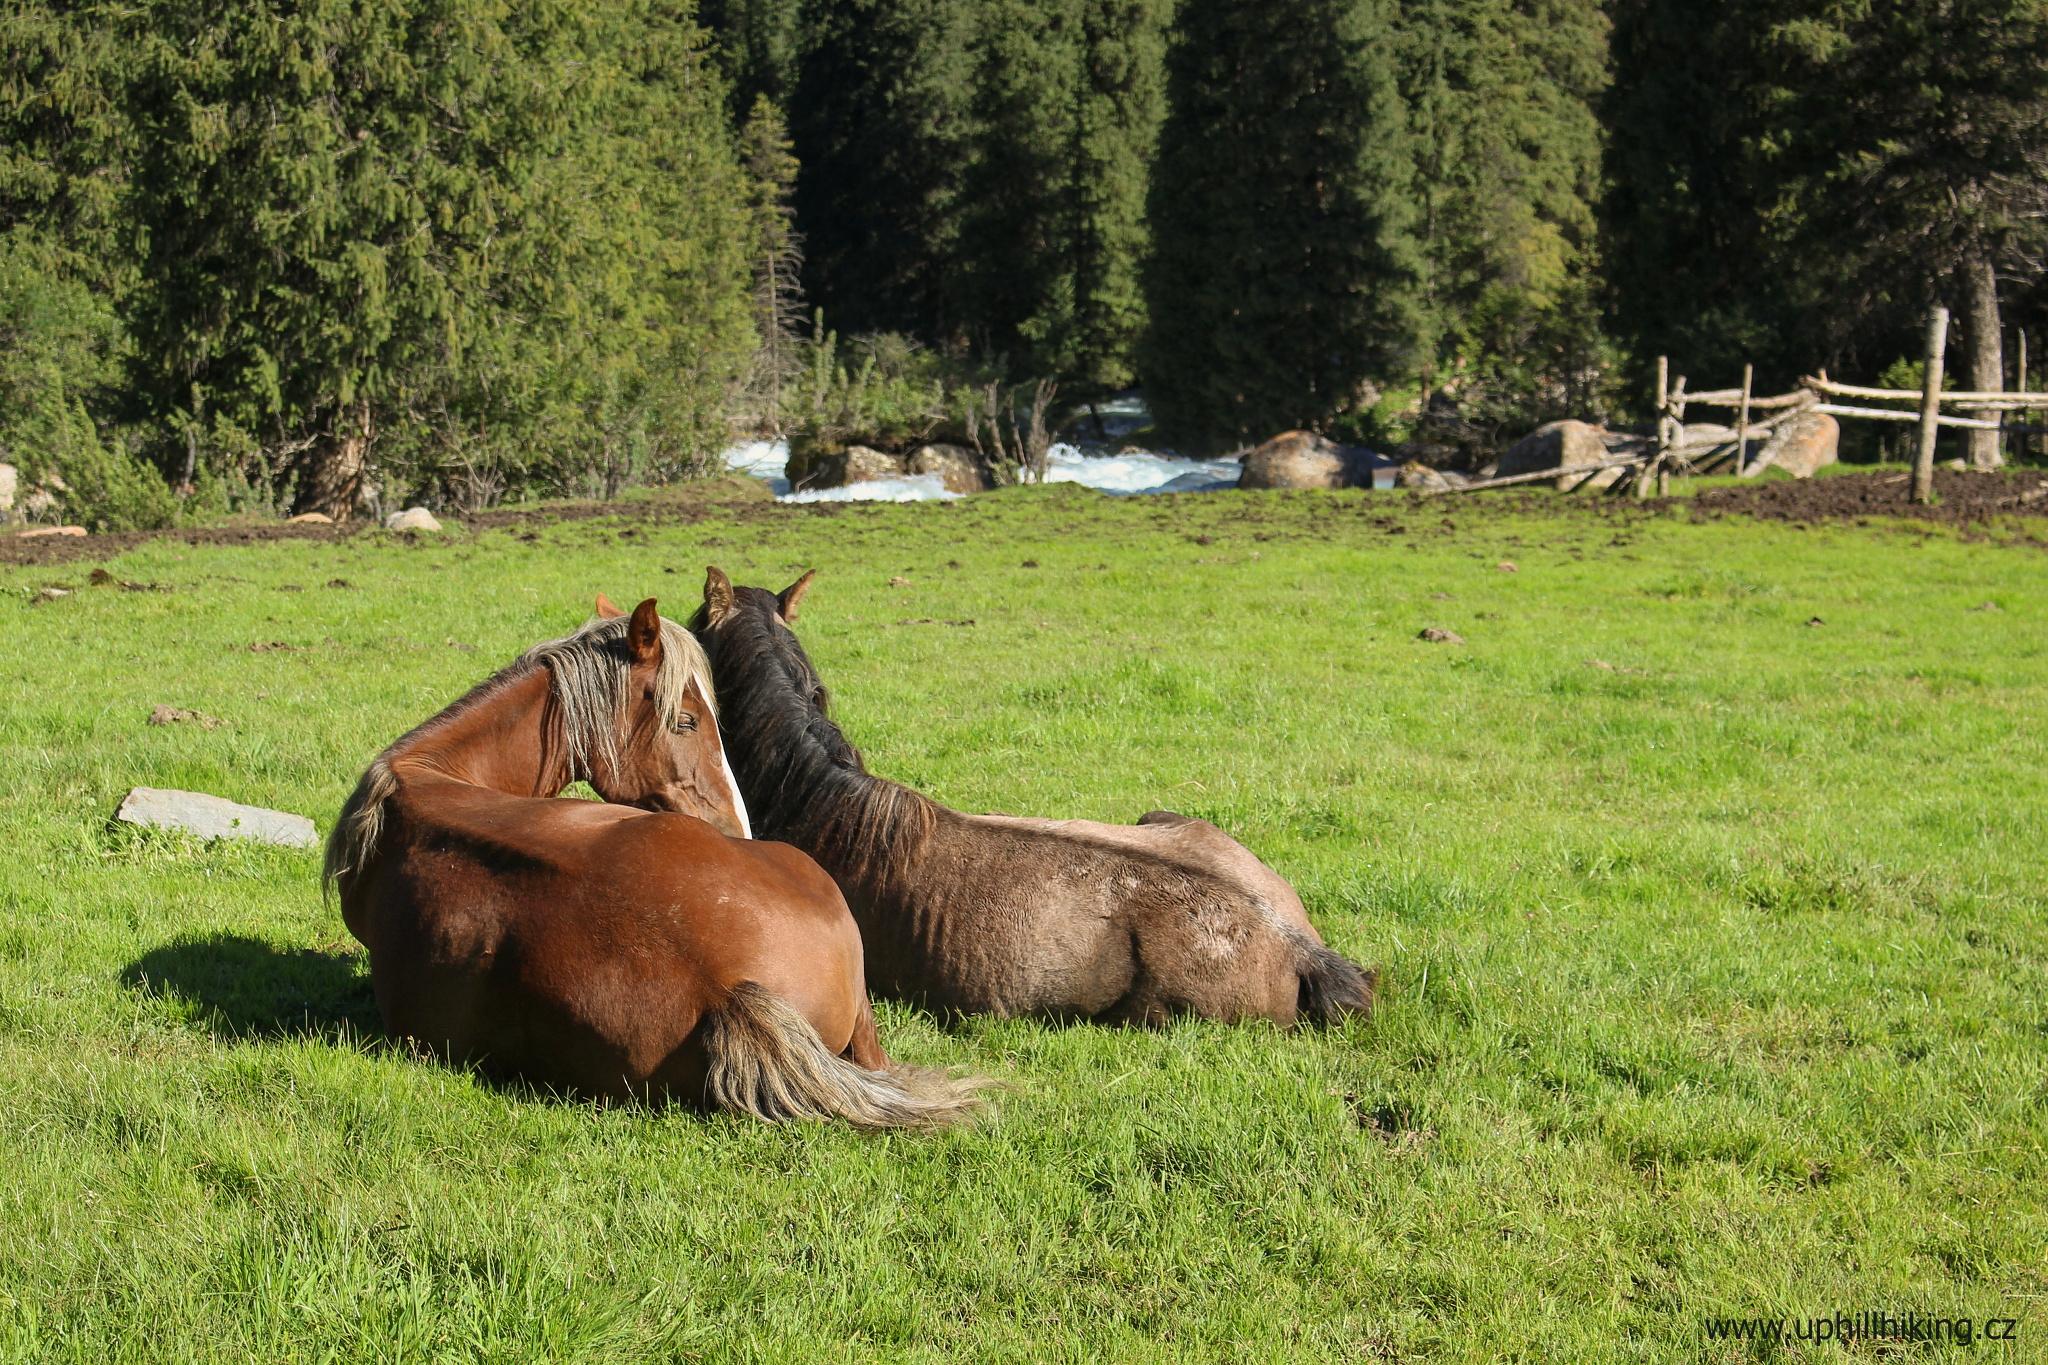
(1714, 978)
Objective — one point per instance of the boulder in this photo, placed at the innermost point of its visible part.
(1560, 445)
(1302, 459)
(42, 499)
(10, 479)
(311, 519)
(211, 817)
(412, 519)
(1416, 474)
(957, 467)
(837, 468)
(37, 533)
(1803, 444)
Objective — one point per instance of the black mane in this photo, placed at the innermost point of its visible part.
(804, 783)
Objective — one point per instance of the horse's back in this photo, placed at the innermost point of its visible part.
(588, 960)
(1186, 919)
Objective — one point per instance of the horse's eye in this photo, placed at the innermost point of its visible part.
(685, 724)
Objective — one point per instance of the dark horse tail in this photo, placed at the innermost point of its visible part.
(1332, 985)
(766, 1060)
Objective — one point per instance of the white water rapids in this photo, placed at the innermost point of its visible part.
(1133, 472)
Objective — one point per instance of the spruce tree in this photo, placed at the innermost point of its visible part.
(1282, 278)
(1692, 241)
(436, 238)
(1918, 164)
(1119, 103)
(776, 256)
(1018, 213)
(1502, 100)
(760, 43)
(880, 123)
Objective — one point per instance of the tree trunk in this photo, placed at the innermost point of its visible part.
(335, 465)
(1987, 354)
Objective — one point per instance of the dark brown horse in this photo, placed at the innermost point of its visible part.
(1130, 923)
(616, 950)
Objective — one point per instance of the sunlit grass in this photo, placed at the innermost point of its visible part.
(1712, 944)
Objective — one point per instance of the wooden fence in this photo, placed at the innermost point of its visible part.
(1676, 448)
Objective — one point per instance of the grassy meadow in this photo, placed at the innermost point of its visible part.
(1705, 879)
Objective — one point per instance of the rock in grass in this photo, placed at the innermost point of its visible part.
(1803, 445)
(412, 519)
(1437, 635)
(211, 817)
(1303, 459)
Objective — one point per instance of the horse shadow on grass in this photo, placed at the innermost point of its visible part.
(244, 989)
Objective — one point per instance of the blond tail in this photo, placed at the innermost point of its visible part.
(766, 1060)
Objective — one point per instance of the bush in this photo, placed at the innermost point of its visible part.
(59, 350)
(883, 391)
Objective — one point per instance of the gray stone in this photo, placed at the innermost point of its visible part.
(10, 479)
(1803, 444)
(1302, 459)
(1560, 445)
(824, 468)
(412, 519)
(956, 467)
(211, 817)
(1416, 474)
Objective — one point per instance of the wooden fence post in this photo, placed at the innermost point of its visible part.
(1674, 441)
(1742, 420)
(2025, 440)
(1930, 405)
(1643, 475)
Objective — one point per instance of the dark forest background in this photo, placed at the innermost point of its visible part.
(335, 254)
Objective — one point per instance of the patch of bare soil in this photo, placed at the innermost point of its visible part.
(1962, 498)
(683, 504)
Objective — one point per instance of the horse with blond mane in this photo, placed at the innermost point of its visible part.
(643, 947)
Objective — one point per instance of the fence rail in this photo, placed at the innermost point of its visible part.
(1673, 446)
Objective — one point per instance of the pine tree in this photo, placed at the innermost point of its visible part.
(776, 256)
(760, 43)
(1919, 163)
(880, 122)
(436, 236)
(1119, 104)
(1793, 181)
(1283, 273)
(1017, 212)
(1502, 100)
(1686, 222)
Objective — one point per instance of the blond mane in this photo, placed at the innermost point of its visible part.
(588, 696)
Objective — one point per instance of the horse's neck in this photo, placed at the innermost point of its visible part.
(868, 832)
(496, 741)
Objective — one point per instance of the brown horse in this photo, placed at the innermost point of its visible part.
(978, 913)
(615, 950)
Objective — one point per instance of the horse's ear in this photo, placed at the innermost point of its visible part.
(786, 601)
(643, 633)
(605, 610)
(717, 595)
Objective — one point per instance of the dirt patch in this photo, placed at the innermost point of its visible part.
(1961, 498)
(681, 505)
